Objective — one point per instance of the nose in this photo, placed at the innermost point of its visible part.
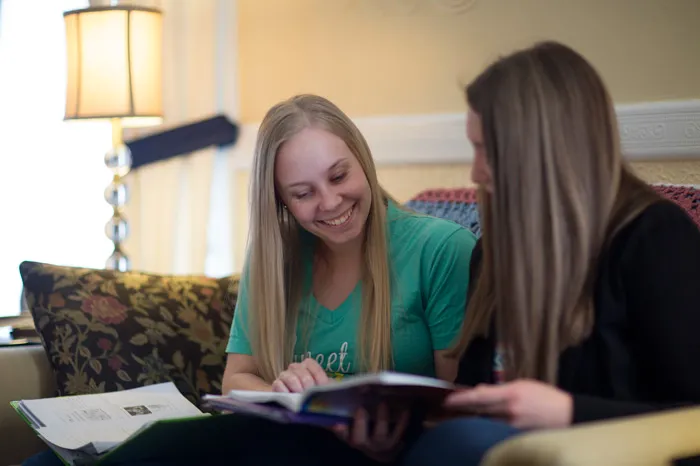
(481, 173)
(330, 200)
(477, 175)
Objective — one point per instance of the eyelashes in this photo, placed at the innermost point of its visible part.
(335, 179)
(338, 178)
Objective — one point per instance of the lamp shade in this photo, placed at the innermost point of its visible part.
(114, 64)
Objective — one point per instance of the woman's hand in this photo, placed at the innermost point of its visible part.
(525, 404)
(380, 442)
(300, 376)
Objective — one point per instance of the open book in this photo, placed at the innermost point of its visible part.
(87, 429)
(337, 402)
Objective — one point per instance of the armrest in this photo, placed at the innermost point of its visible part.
(655, 439)
(26, 374)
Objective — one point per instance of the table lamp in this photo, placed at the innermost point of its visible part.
(114, 73)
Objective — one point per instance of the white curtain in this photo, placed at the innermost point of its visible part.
(181, 210)
(52, 207)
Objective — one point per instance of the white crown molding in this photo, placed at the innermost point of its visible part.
(660, 130)
(666, 130)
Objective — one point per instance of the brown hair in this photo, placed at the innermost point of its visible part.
(560, 192)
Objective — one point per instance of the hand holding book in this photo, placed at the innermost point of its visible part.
(524, 404)
(375, 435)
(338, 402)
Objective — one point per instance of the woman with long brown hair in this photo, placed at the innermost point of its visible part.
(584, 303)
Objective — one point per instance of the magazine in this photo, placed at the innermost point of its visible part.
(83, 429)
(338, 402)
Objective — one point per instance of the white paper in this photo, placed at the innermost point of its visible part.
(102, 421)
(291, 401)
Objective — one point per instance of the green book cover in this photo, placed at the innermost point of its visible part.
(185, 439)
(15, 406)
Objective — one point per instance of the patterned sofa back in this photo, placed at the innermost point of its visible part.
(460, 206)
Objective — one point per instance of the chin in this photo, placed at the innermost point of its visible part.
(339, 239)
(343, 234)
(342, 240)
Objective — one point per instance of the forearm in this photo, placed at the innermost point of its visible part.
(245, 381)
(446, 367)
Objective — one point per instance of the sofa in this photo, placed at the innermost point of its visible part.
(105, 330)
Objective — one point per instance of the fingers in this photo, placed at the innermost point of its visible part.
(400, 428)
(494, 401)
(341, 430)
(316, 371)
(291, 381)
(279, 386)
(300, 376)
(497, 410)
(479, 397)
(359, 432)
(382, 436)
(303, 375)
(381, 443)
(381, 429)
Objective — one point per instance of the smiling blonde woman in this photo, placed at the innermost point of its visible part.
(339, 279)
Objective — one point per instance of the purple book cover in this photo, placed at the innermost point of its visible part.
(337, 402)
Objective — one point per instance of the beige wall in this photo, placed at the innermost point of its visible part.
(375, 57)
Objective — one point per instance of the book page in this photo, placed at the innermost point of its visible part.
(99, 422)
(291, 401)
(386, 378)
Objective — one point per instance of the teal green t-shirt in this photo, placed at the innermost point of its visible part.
(429, 265)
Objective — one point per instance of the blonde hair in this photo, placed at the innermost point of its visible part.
(274, 270)
(561, 192)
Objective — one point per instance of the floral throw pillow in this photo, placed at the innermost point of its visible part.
(106, 330)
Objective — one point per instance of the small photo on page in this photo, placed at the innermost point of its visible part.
(156, 408)
(137, 410)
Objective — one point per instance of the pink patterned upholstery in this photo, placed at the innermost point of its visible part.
(447, 195)
(687, 197)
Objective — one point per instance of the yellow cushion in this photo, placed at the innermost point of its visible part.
(654, 439)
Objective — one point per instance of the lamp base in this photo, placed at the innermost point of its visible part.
(118, 261)
(118, 160)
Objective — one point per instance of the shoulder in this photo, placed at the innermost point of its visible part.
(660, 246)
(664, 224)
(434, 246)
(663, 213)
(412, 229)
